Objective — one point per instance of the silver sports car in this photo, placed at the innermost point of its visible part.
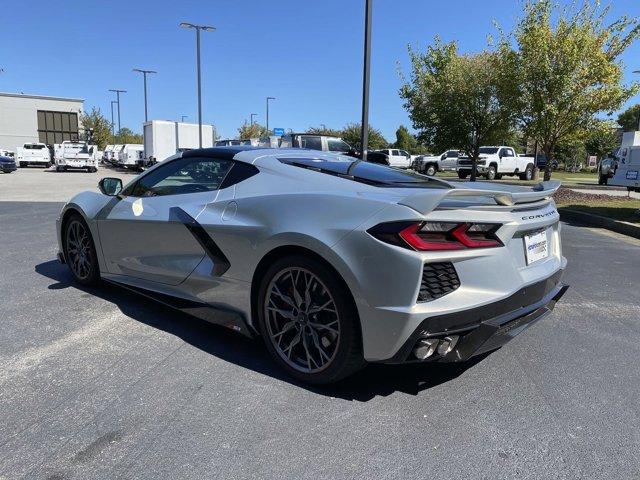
(334, 262)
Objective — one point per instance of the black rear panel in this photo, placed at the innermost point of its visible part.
(438, 280)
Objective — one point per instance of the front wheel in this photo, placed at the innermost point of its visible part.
(462, 175)
(308, 321)
(491, 173)
(80, 251)
(430, 170)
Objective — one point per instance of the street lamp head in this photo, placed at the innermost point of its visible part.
(206, 28)
(636, 71)
(116, 90)
(271, 98)
(143, 71)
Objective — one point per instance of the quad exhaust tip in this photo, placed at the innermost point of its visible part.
(426, 347)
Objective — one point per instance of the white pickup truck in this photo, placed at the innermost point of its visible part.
(397, 158)
(33, 154)
(76, 155)
(496, 161)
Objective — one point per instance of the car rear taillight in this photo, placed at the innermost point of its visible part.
(435, 236)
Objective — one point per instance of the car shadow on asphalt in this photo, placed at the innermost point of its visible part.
(374, 380)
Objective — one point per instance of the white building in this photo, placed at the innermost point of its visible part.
(37, 118)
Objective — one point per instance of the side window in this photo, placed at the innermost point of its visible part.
(510, 153)
(395, 153)
(452, 153)
(404, 153)
(337, 145)
(184, 175)
(313, 143)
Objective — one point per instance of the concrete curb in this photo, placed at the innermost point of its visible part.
(592, 220)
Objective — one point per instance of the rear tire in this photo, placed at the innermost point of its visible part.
(80, 251)
(308, 321)
(527, 174)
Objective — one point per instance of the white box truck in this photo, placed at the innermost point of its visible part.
(164, 138)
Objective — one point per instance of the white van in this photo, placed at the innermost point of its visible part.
(627, 163)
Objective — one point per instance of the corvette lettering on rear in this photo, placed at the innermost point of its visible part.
(538, 216)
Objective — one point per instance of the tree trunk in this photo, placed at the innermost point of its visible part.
(548, 151)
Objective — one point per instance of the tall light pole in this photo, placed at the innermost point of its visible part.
(364, 136)
(206, 28)
(144, 75)
(118, 92)
(182, 117)
(253, 115)
(113, 125)
(268, 98)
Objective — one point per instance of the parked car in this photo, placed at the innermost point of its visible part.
(431, 164)
(7, 153)
(541, 161)
(496, 161)
(323, 143)
(606, 170)
(131, 156)
(334, 262)
(33, 154)
(231, 142)
(7, 164)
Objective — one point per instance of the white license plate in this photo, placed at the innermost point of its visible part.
(536, 246)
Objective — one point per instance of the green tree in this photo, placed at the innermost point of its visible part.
(324, 131)
(125, 135)
(565, 69)
(255, 130)
(602, 138)
(629, 120)
(100, 125)
(456, 100)
(406, 141)
(351, 135)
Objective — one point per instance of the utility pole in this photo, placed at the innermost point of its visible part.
(206, 28)
(268, 98)
(118, 92)
(113, 125)
(364, 136)
(144, 74)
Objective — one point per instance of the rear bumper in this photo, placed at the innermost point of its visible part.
(488, 327)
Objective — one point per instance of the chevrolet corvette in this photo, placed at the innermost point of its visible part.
(332, 261)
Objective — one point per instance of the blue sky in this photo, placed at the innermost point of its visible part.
(306, 54)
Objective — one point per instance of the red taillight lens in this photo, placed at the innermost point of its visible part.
(436, 236)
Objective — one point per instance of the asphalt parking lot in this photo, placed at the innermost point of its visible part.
(100, 383)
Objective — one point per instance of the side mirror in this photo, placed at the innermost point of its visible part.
(443, 156)
(110, 186)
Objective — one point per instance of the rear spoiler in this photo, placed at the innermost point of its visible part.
(423, 202)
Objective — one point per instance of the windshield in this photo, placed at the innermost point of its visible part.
(34, 147)
(366, 172)
(488, 150)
